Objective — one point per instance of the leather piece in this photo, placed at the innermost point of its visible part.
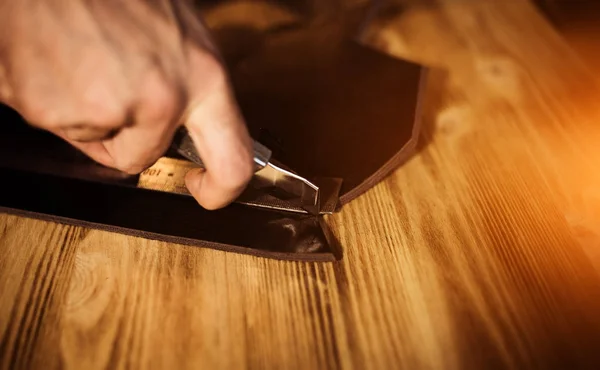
(328, 106)
(167, 217)
(44, 177)
(325, 105)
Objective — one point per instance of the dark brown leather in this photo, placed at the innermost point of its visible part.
(325, 105)
(167, 217)
(44, 177)
(330, 107)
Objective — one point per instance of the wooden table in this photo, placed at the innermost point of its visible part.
(482, 252)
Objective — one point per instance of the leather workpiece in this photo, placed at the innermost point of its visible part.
(325, 105)
(330, 107)
(43, 177)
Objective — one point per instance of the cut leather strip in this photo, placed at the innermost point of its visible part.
(167, 217)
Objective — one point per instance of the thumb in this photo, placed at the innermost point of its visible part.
(220, 135)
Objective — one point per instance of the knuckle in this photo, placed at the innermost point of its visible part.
(163, 103)
(161, 99)
(104, 112)
(109, 118)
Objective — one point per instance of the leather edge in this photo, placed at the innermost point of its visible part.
(314, 257)
(403, 155)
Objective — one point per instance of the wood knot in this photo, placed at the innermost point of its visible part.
(501, 77)
(90, 289)
(454, 121)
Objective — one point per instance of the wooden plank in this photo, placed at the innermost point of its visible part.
(476, 254)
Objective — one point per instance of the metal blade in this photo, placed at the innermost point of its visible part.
(288, 184)
(278, 182)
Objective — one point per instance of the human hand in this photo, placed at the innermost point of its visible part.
(117, 78)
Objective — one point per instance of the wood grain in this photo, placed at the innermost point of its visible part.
(482, 252)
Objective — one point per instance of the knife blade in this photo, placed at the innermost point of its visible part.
(268, 176)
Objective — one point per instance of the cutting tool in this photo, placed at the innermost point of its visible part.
(268, 176)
